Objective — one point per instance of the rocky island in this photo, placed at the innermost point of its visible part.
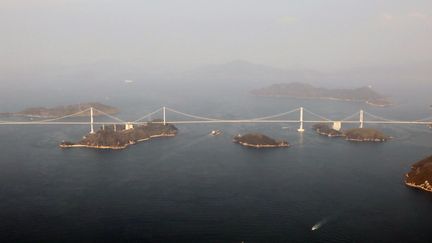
(365, 135)
(326, 130)
(258, 140)
(303, 90)
(420, 175)
(60, 111)
(117, 137)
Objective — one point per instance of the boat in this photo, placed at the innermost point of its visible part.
(215, 132)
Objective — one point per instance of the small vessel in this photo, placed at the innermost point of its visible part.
(215, 132)
(315, 227)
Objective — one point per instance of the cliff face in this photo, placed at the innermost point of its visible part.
(259, 141)
(110, 138)
(302, 90)
(67, 110)
(420, 175)
(365, 135)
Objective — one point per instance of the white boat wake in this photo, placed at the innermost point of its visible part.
(319, 224)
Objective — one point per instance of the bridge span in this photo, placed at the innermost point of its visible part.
(356, 118)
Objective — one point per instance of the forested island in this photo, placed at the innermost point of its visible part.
(118, 137)
(303, 90)
(420, 175)
(365, 135)
(258, 140)
(354, 134)
(60, 111)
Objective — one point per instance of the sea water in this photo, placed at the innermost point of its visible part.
(197, 188)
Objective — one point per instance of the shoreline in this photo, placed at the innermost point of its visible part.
(328, 134)
(377, 140)
(116, 147)
(262, 145)
(421, 187)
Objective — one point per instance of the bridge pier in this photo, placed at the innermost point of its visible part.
(337, 125)
(128, 126)
(301, 129)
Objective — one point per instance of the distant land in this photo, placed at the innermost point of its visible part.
(118, 137)
(420, 175)
(304, 90)
(60, 111)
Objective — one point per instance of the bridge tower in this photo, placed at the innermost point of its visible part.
(301, 129)
(91, 121)
(164, 115)
(361, 118)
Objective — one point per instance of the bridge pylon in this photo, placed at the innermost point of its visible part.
(361, 118)
(301, 129)
(164, 115)
(91, 121)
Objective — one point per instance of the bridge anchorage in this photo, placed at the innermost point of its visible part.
(357, 118)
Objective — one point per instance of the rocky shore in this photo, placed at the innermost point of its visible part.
(420, 176)
(257, 140)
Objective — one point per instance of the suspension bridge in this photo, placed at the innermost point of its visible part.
(165, 112)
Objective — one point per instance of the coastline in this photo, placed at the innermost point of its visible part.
(425, 187)
(262, 145)
(376, 140)
(328, 134)
(115, 147)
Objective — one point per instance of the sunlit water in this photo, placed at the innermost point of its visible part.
(198, 188)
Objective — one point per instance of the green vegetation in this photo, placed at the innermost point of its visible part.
(365, 134)
(259, 140)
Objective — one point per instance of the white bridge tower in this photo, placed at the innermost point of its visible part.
(91, 121)
(361, 118)
(164, 115)
(301, 129)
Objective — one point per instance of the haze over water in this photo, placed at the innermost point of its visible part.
(204, 57)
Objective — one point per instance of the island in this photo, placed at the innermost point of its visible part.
(304, 90)
(420, 175)
(59, 111)
(257, 140)
(325, 130)
(365, 135)
(118, 137)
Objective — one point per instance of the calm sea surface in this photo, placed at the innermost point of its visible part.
(198, 188)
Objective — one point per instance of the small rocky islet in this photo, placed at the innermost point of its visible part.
(258, 140)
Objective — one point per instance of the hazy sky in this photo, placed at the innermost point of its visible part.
(324, 34)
